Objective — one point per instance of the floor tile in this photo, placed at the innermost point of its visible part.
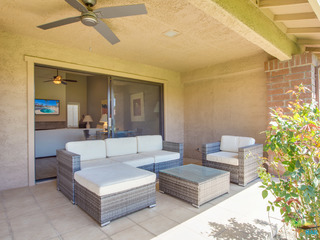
(7, 237)
(158, 224)
(35, 226)
(67, 222)
(86, 233)
(133, 233)
(143, 215)
(118, 225)
(179, 214)
(22, 210)
(4, 229)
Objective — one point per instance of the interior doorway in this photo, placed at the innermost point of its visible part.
(133, 107)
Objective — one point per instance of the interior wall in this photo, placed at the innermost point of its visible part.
(15, 143)
(97, 90)
(77, 92)
(226, 99)
(48, 90)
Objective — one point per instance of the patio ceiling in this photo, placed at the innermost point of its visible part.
(209, 31)
(299, 19)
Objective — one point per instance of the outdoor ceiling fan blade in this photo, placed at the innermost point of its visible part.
(121, 11)
(77, 5)
(48, 81)
(64, 83)
(106, 32)
(60, 23)
(68, 80)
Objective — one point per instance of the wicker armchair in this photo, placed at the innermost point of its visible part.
(241, 160)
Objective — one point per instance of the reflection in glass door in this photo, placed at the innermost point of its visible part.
(136, 108)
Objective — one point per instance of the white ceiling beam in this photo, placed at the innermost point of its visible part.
(280, 3)
(315, 7)
(309, 42)
(303, 30)
(294, 17)
(244, 18)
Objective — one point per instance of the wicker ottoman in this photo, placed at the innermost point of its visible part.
(110, 192)
(194, 184)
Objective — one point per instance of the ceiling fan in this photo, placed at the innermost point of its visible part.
(58, 80)
(90, 17)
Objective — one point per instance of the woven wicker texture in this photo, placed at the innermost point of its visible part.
(109, 207)
(194, 184)
(249, 160)
(68, 163)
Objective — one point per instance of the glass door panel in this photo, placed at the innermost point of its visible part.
(136, 108)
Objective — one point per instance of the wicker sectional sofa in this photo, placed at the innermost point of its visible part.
(238, 155)
(87, 170)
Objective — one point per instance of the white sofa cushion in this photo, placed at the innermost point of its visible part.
(246, 141)
(149, 143)
(88, 150)
(96, 163)
(134, 160)
(108, 180)
(232, 143)
(162, 155)
(121, 146)
(224, 157)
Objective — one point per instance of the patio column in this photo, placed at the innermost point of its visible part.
(284, 75)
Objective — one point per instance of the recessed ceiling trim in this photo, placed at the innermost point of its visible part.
(280, 3)
(294, 17)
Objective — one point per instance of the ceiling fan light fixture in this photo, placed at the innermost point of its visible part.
(57, 79)
(89, 19)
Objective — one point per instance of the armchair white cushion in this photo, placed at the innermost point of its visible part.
(232, 143)
(224, 157)
(238, 155)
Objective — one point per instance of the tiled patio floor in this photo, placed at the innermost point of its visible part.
(42, 212)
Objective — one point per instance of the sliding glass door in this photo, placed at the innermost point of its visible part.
(135, 108)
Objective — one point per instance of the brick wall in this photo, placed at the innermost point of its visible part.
(283, 76)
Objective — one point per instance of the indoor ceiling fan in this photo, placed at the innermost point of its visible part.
(90, 17)
(58, 80)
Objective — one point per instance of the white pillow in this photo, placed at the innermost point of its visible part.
(88, 150)
(149, 143)
(121, 146)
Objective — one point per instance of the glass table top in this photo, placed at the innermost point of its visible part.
(193, 173)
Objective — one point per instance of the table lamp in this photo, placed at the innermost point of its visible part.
(104, 119)
(88, 119)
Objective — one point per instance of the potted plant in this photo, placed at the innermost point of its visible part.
(294, 140)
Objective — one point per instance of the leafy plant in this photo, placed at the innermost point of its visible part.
(294, 140)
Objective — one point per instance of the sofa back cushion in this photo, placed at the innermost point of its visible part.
(88, 150)
(121, 146)
(232, 143)
(149, 143)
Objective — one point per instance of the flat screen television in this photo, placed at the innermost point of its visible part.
(46, 107)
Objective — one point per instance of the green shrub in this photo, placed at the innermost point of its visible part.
(294, 140)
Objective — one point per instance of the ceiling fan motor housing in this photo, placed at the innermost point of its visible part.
(89, 19)
(89, 3)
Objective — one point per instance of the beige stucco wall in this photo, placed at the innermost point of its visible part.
(13, 96)
(229, 98)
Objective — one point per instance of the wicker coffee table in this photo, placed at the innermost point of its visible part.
(193, 183)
